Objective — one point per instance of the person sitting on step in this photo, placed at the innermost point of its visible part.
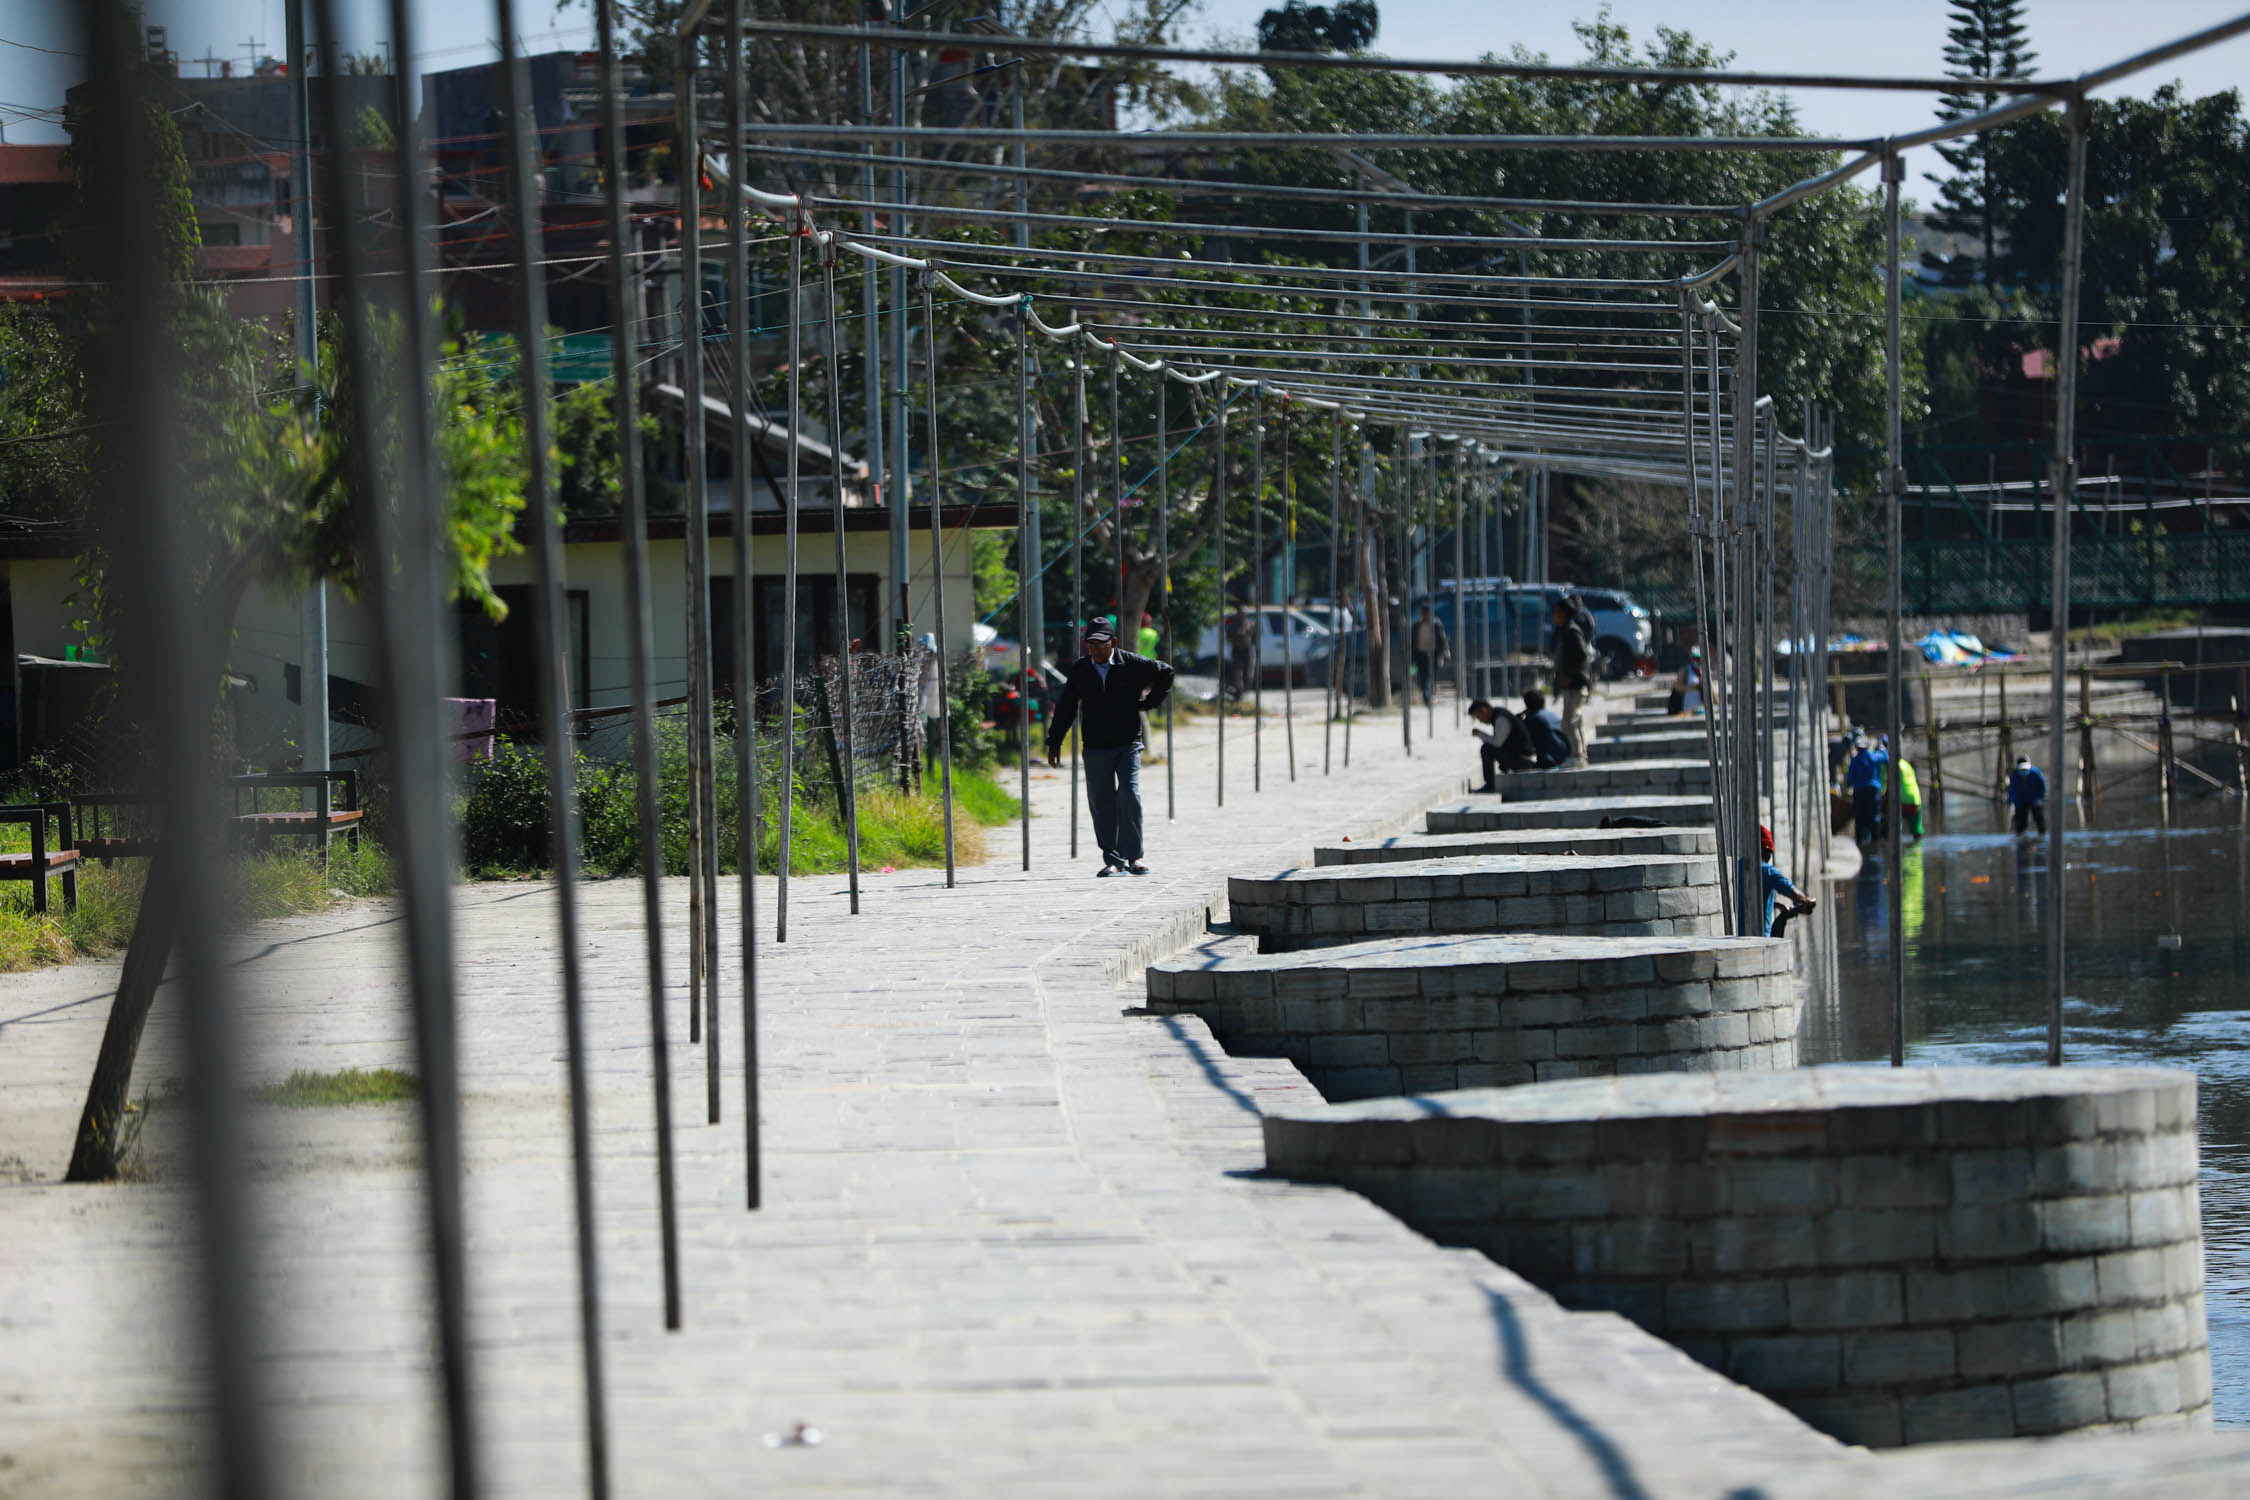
(1504, 744)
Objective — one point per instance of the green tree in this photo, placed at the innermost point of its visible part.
(2166, 256)
(1347, 26)
(1986, 40)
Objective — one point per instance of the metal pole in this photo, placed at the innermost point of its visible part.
(554, 684)
(1077, 559)
(1429, 583)
(845, 701)
(1027, 565)
(1219, 568)
(1745, 769)
(626, 315)
(798, 229)
(745, 600)
(1117, 497)
(1164, 568)
(901, 498)
(1894, 429)
(1460, 587)
(1337, 593)
(1288, 593)
(312, 655)
(1402, 655)
(871, 312)
(2065, 491)
(161, 623)
(937, 573)
(703, 928)
(1258, 587)
(409, 606)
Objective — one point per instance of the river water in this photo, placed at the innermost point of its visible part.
(1976, 903)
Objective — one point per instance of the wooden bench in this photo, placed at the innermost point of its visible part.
(43, 864)
(99, 830)
(327, 817)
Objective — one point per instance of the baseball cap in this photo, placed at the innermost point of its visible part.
(1098, 630)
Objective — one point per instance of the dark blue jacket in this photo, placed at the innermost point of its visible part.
(2026, 787)
(1547, 742)
(1866, 769)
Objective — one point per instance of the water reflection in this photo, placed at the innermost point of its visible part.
(2159, 922)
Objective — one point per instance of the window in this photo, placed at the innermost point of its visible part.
(500, 658)
(816, 620)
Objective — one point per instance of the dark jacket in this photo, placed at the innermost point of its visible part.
(1112, 709)
(1574, 656)
(1547, 742)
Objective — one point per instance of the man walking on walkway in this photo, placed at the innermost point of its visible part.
(1112, 689)
(1433, 648)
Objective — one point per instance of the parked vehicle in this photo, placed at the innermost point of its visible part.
(1307, 649)
(1000, 655)
(1522, 616)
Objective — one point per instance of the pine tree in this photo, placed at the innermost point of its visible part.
(1987, 39)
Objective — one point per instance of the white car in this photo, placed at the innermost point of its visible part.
(1308, 646)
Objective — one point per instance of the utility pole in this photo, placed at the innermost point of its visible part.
(312, 651)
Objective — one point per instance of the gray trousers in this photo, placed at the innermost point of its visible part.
(1113, 791)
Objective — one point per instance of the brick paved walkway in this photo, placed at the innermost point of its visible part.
(1017, 1242)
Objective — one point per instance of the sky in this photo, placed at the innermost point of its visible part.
(1895, 37)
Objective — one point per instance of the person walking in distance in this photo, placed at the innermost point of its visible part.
(1863, 778)
(2027, 795)
(1242, 650)
(1574, 676)
(1110, 689)
(1433, 648)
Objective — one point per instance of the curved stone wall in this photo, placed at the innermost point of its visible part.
(1899, 1257)
(1416, 846)
(1600, 895)
(1494, 815)
(1407, 1016)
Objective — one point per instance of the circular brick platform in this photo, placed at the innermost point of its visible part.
(1487, 814)
(1598, 895)
(1412, 1015)
(1912, 1256)
(1412, 846)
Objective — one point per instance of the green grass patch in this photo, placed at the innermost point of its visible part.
(984, 800)
(350, 1086)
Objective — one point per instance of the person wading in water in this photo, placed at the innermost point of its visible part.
(1112, 689)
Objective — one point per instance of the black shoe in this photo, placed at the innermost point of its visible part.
(1136, 868)
(1106, 870)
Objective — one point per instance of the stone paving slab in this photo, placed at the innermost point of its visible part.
(1416, 846)
(1016, 1241)
(1485, 814)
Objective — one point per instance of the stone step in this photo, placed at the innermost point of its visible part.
(1602, 895)
(1648, 776)
(1411, 1015)
(1668, 744)
(1923, 1255)
(1412, 846)
(1489, 814)
(1656, 701)
(1633, 726)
